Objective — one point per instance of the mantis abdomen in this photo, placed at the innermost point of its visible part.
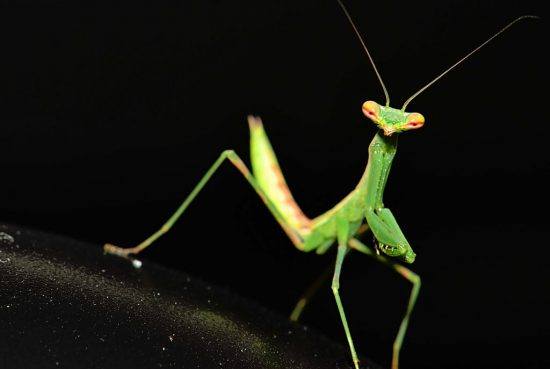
(268, 174)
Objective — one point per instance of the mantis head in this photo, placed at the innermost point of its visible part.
(392, 120)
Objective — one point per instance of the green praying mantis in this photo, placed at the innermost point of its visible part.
(362, 210)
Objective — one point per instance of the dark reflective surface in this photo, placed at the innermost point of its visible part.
(63, 304)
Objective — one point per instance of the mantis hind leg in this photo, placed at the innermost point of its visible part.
(405, 273)
(310, 292)
(241, 167)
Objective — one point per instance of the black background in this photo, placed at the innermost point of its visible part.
(110, 115)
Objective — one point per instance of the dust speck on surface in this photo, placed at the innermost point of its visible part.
(94, 308)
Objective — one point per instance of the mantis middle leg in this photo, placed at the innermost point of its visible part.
(342, 233)
(317, 284)
(405, 273)
(342, 251)
(241, 167)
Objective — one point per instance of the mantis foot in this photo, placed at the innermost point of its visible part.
(123, 252)
(118, 251)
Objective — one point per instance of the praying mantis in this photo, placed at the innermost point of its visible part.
(361, 211)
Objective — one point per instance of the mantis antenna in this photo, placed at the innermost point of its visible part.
(366, 50)
(464, 58)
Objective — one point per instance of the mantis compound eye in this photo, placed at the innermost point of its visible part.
(415, 120)
(371, 110)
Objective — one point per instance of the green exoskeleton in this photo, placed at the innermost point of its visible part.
(362, 210)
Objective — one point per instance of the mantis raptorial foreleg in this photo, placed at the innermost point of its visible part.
(407, 274)
(241, 167)
(385, 228)
(387, 217)
(389, 235)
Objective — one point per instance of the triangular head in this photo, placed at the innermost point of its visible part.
(392, 120)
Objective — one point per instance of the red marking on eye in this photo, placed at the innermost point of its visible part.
(370, 113)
